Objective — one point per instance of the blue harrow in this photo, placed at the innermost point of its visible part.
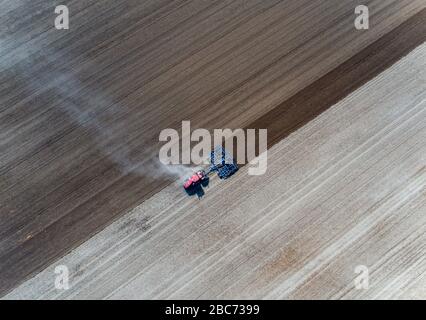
(222, 163)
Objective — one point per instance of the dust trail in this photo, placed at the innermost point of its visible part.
(68, 86)
(179, 171)
(84, 112)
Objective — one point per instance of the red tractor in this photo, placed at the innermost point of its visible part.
(196, 179)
